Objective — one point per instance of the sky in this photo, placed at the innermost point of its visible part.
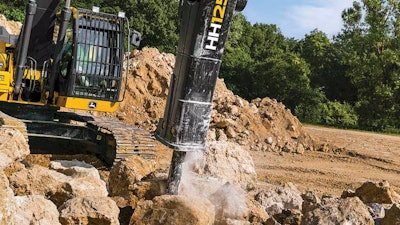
(295, 18)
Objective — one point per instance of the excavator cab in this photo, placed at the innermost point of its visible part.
(80, 70)
(91, 63)
(93, 57)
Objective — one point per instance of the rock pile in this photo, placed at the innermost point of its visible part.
(263, 124)
(286, 205)
(12, 27)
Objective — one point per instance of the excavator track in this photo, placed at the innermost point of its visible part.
(50, 131)
(128, 140)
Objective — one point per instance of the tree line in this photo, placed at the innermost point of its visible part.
(351, 80)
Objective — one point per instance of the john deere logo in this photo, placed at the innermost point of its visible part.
(92, 105)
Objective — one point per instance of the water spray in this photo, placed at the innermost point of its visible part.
(204, 31)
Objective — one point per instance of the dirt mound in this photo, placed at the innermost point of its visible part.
(12, 27)
(263, 124)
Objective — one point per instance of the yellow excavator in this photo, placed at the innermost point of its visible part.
(82, 69)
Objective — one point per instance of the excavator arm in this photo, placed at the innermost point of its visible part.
(204, 31)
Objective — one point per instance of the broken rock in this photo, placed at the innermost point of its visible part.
(392, 216)
(228, 162)
(339, 211)
(38, 180)
(84, 179)
(33, 209)
(379, 192)
(13, 147)
(125, 176)
(177, 210)
(89, 210)
(5, 190)
(276, 200)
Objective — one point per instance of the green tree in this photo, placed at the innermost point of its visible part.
(157, 20)
(259, 61)
(328, 71)
(370, 40)
(237, 59)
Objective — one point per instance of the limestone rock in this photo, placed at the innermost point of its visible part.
(5, 190)
(125, 176)
(38, 180)
(333, 211)
(276, 200)
(392, 216)
(33, 209)
(379, 192)
(84, 179)
(310, 201)
(176, 210)
(12, 27)
(5, 194)
(89, 210)
(13, 147)
(376, 210)
(74, 168)
(292, 217)
(58, 187)
(257, 213)
(228, 162)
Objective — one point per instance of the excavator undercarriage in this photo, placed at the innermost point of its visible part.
(50, 131)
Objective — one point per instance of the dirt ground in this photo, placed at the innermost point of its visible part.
(362, 156)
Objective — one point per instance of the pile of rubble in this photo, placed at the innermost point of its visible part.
(262, 124)
(73, 192)
(11, 27)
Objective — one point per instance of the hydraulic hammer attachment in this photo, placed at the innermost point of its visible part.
(204, 31)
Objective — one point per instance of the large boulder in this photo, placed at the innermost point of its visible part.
(392, 216)
(13, 147)
(38, 180)
(277, 199)
(228, 162)
(84, 180)
(79, 180)
(125, 179)
(379, 192)
(333, 211)
(89, 210)
(176, 210)
(32, 209)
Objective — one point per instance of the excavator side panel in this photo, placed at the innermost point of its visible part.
(87, 104)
